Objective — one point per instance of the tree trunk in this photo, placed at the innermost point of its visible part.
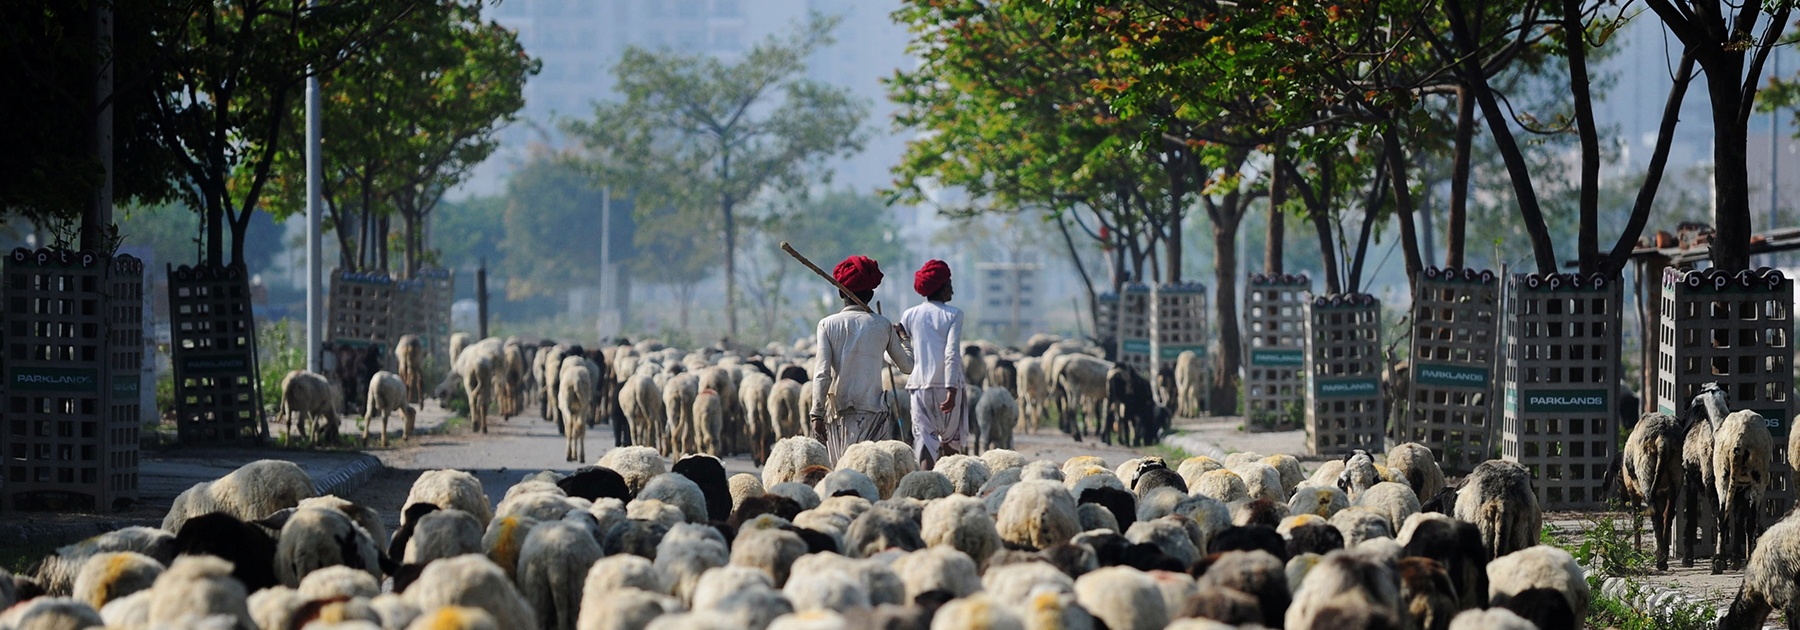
(1371, 208)
(1409, 239)
(99, 213)
(1231, 345)
(1459, 177)
(1177, 209)
(215, 224)
(1062, 225)
(1587, 244)
(1731, 171)
(1276, 237)
(1659, 158)
(381, 245)
(726, 204)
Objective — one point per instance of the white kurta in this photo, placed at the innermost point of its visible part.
(936, 330)
(851, 344)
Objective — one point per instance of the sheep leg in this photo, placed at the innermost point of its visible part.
(1662, 516)
(1727, 531)
(1690, 498)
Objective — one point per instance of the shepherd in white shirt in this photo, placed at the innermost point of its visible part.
(849, 405)
(940, 419)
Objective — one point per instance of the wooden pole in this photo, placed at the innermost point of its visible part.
(481, 297)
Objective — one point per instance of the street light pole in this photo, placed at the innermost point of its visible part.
(315, 281)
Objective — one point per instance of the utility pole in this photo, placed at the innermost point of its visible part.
(1774, 143)
(606, 270)
(481, 298)
(315, 172)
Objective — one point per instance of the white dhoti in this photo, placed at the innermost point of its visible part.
(849, 428)
(933, 429)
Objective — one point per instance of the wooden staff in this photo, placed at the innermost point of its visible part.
(840, 286)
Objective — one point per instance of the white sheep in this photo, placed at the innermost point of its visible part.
(51, 613)
(251, 493)
(626, 609)
(338, 582)
(1395, 501)
(364, 516)
(874, 462)
(540, 505)
(637, 464)
(743, 486)
(939, 568)
(998, 459)
(112, 575)
(314, 400)
(1771, 579)
(847, 480)
(450, 490)
(967, 474)
(387, 394)
(443, 534)
(1034, 391)
(791, 455)
(1192, 467)
(56, 573)
(473, 581)
(477, 366)
(1359, 473)
(553, 566)
(1221, 485)
(962, 523)
(772, 551)
(198, 586)
(828, 590)
(574, 396)
(1170, 535)
(753, 405)
(1415, 464)
(1122, 597)
(679, 491)
(786, 419)
(641, 402)
(1347, 582)
(1261, 481)
(1323, 501)
(1652, 474)
(314, 538)
(1037, 514)
(1360, 524)
(681, 563)
(1497, 498)
(409, 354)
(612, 573)
(708, 422)
(1539, 566)
(503, 541)
(1015, 584)
(1189, 383)
(1490, 619)
(1743, 450)
(995, 415)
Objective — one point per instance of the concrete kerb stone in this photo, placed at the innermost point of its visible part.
(347, 479)
(1661, 599)
(1194, 446)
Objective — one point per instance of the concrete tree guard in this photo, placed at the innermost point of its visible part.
(1343, 365)
(1448, 403)
(74, 354)
(213, 351)
(1735, 330)
(1562, 385)
(1177, 324)
(1275, 351)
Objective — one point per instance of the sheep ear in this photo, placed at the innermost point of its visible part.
(277, 520)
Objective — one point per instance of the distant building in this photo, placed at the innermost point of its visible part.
(1008, 304)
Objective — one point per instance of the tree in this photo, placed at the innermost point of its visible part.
(695, 132)
(52, 54)
(552, 223)
(1722, 38)
(827, 227)
(228, 74)
(406, 122)
(674, 249)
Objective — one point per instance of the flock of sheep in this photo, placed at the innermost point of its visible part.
(722, 403)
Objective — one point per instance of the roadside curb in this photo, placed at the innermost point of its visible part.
(59, 534)
(1656, 597)
(1195, 446)
(347, 479)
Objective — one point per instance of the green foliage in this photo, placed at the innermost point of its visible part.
(406, 121)
(168, 229)
(696, 137)
(552, 229)
(470, 230)
(280, 345)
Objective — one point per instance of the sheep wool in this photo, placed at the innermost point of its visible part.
(450, 490)
(540, 505)
(1318, 500)
(252, 492)
(832, 590)
(681, 564)
(961, 523)
(845, 480)
(1041, 469)
(744, 486)
(875, 463)
(800, 493)
(637, 464)
(1192, 467)
(51, 613)
(503, 540)
(1123, 598)
(1015, 584)
(810, 620)
(627, 609)
(791, 455)
(1396, 501)
(1490, 619)
(455, 618)
(1344, 578)
(56, 573)
(1175, 588)
(475, 581)
(364, 516)
(1079, 462)
(315, 538)
(132, 611)
(1254, 573)
(772, 551)
(199, 586)
(967, 474)
(111, 575)
(925, 485)
(879, 529)
(1289, 468)
(938, 569)
(1261, 481)
(395, 611)
(678, 491)
(1221, 485)
(1037, 514)
(720, 583)
(875, 577)
(338, 582)
(553, 566)
(655, 511)
(998, 459)
(1498, 499)
(624, 571)
(1414, 463)
(1360, 524)
(977, 613)
(1169, 535)
(1539, 566)
(443, 534)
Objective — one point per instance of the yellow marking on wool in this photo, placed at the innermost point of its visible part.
(447, 618)
(1324, 503)
(115, 569)
(332, 613)
(1307, 519)
(505, 552)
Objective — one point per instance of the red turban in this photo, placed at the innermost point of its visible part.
(931, 277)
(858, 274)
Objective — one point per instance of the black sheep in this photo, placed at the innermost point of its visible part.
(1456, 545)
(249, 547)
(408, 521)
(1262, 512)
(1250, 538)
(1224, 605)
(816, 541)
(1257, 574)
(1121, 503)
(594, 483)
(708, 472)
(1319, 538)
(1154, 478)
(794, 373)
(775, 504)
(1131, 408)
(1547, 608)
